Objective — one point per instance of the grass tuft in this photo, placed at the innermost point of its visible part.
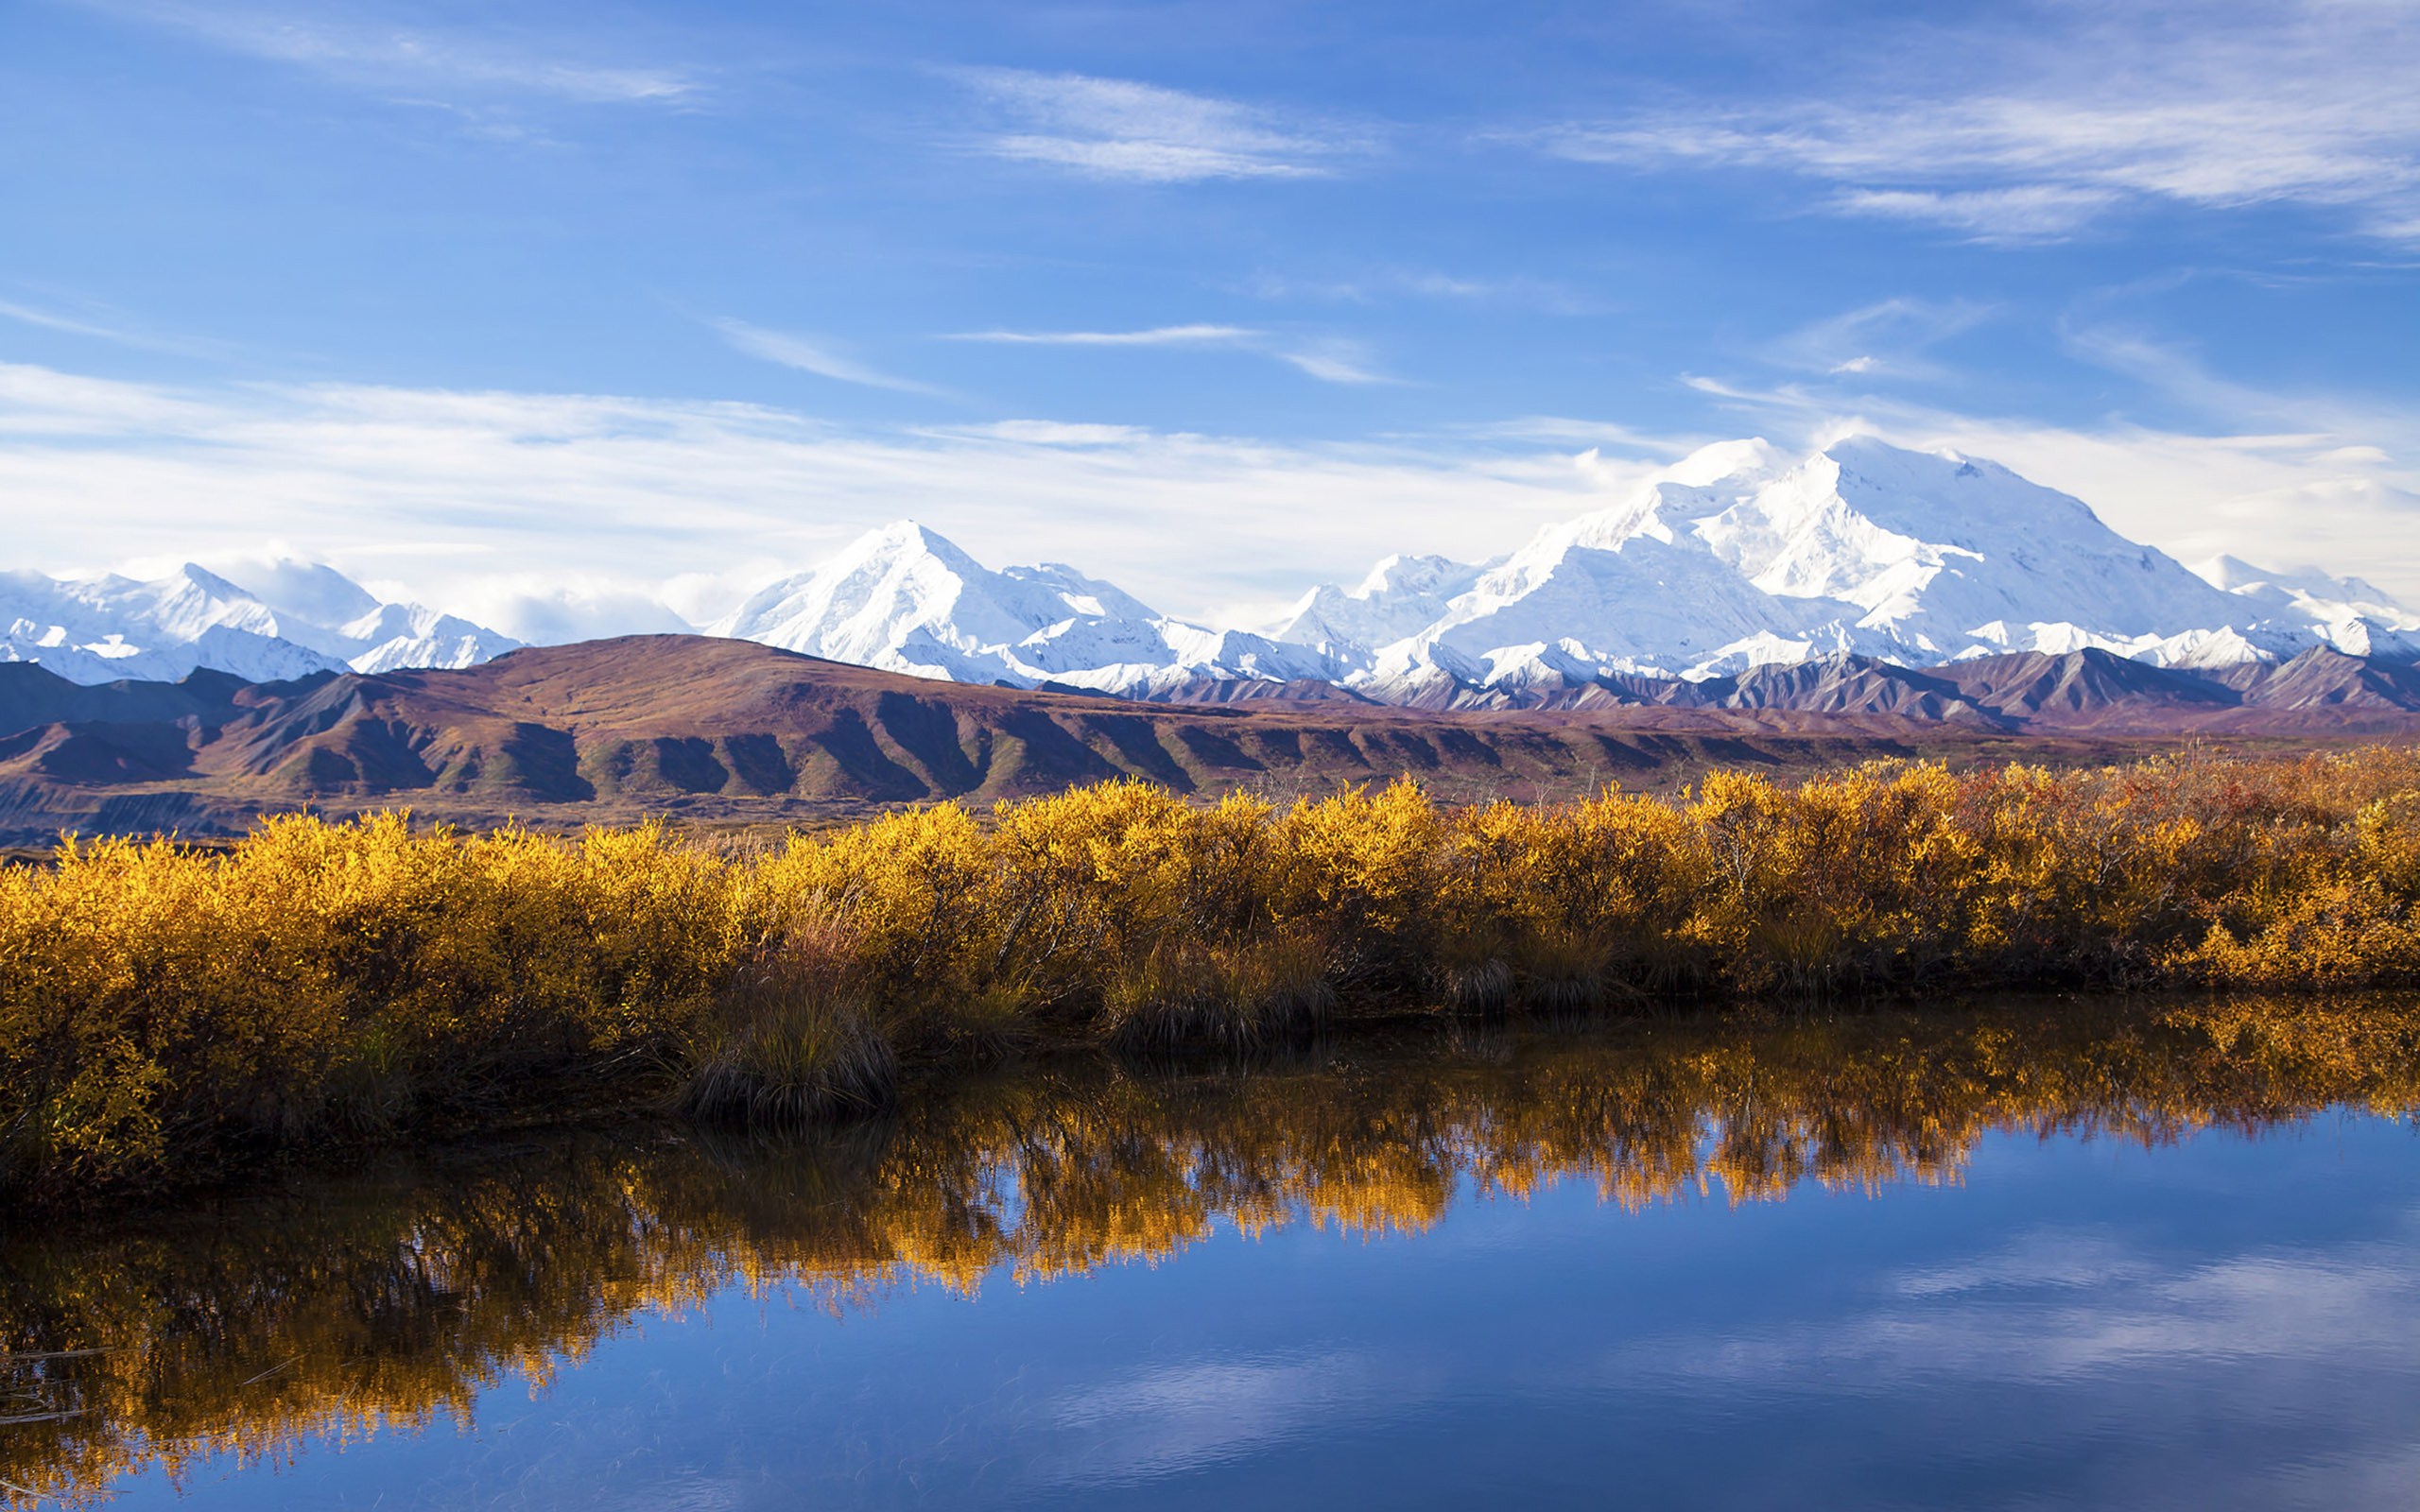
(791, 1043)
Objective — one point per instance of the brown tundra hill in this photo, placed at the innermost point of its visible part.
(722, 731)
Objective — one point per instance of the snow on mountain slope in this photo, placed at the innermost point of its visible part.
(2350, 615)
(906, 598)
(1402, 595)
(293, 620)
(1740, 555)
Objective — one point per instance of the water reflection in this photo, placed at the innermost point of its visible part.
(388, 1300)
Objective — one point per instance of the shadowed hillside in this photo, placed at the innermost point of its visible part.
(722, 730)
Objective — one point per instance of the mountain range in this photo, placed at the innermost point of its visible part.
(289, 619)
(722, 730)
(1735, 561)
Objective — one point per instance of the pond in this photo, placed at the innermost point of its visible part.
(2015, 1255)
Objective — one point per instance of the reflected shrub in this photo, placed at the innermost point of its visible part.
(387, 1298)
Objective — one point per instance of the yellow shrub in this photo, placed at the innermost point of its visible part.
(162, 1005)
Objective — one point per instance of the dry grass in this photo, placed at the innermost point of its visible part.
(790, 1041)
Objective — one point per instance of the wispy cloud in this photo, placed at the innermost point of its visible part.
(1164, 336)
(2033, 211)
(2217, 105)
(109, 326)
(1329, 359)
(808, 354)
(1117, 128)
(456, 58)
(459, 492)
(1888, 338)
(1335, 360)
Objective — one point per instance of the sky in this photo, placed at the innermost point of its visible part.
(578, 317)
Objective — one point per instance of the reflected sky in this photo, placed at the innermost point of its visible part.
(2102, 1295)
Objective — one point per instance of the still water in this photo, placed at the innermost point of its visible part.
(2023, 1256)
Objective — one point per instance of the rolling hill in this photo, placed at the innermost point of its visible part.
(730, 732)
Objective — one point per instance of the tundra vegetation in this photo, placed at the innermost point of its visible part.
(388, 1297)
(165, 1010)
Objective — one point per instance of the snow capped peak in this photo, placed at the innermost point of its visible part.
(1085, 595)
(1736, 556)
(2352, 616)
(1753, 457)
(1402, 574)
(1740, 555)
(1397, 597)
(294, 619)
(906, 598)
(2307, 585)
(308, 589)
(904, 539)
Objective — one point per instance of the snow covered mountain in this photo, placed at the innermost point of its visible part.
(1740, 556)
(289, 620)
(2353, 616)
(906, 599)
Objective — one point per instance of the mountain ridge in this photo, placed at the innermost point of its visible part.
(723, 730)
(1737, 557)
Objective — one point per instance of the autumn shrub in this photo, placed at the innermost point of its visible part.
(162, 1007)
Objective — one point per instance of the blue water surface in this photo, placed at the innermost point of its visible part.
(2226, 1321)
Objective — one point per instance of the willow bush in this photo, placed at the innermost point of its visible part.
(163, 1007)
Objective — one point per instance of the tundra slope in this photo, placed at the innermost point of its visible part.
(725, 730)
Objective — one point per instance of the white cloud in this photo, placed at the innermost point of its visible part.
(1383, 283)
(548, 610)
(2214, 105)
(2034, 212)
(478, 502)
(1172, 1419)
(1330, 359)
(467, 498)
(387, 56)
(2103, 1311)
(1164, 336)
(809, 355)
(1334, 361)
(1117, 128)
(1888, 338)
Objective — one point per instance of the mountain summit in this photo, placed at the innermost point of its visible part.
(906, 599)
(1739, 556)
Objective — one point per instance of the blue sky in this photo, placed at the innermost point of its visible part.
(553, 311)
